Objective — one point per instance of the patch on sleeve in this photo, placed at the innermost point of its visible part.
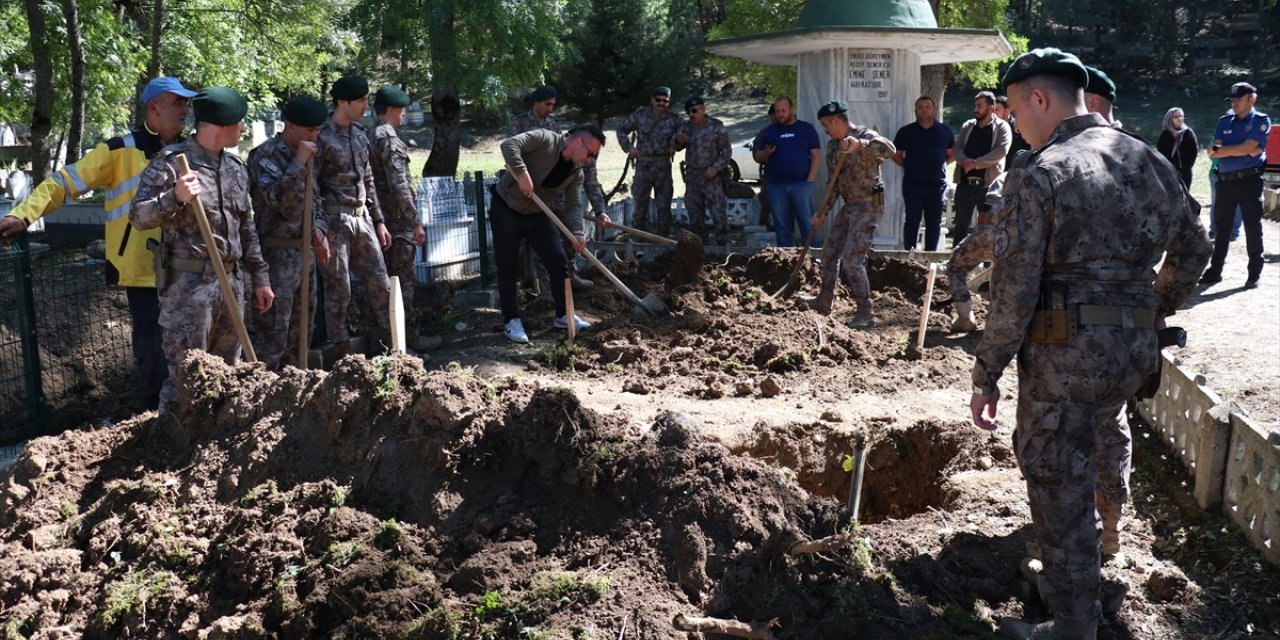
(1001, 244)
(1266, 126)
(269, 165)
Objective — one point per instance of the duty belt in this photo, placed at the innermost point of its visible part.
(1241, 175)
(339, 209)
(196, 265)
(1114, 316)
(272, 242)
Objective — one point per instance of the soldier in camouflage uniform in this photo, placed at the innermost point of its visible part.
(389, 158)
(972, 251)
(357, 232)
(707, 154)
(655, 128)
(277, 184)
(541, 117)
(862, 150)
(1056, 261)
(192, 311)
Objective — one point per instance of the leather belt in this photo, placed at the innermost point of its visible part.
(1241, 175)
(338, 209)
(272, 242)
(1114, 316)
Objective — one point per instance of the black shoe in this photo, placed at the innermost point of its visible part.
(1210, 278)
(1251, 283)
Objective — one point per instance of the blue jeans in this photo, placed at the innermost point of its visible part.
(792, 205)
(923, 200)
(1213, 220)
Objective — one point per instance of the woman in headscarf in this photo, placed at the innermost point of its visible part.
(1178, 143)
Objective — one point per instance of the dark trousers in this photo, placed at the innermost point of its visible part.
(968, 198)
(923, 201)
(1247, 194)
(509, 228)
(148, 354)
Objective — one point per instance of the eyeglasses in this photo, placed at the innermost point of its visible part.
(662, 100)
(696, 110)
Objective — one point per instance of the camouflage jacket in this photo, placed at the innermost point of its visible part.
(1051, 228)
(225, 185)
(389, 158)
(528, 122)
(277, 185)
(342, 166)
(861, 175)
(655, 137)
(707, 144)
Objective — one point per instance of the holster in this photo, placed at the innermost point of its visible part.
(1052, 322)
(1167, 337)
(163, 262)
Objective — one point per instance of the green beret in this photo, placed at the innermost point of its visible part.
(349, 88)
(1100, 83)
(661, 91)
(219, 105)
(833, 108)
(1047, 61)
(391, 97)
(305, 111)
(543, 93)
(692, 102)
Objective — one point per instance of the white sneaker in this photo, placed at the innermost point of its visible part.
(515, 331)
(562, 322)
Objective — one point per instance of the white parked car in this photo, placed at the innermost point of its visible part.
(742, 165)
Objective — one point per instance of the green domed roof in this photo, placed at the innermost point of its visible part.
(867, 13)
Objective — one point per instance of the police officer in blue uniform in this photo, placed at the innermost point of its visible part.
(1240, 145)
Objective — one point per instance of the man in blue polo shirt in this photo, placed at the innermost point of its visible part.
(924, 150)
(1240, 145)
(792, 150)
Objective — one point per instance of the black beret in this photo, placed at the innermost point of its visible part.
(543, 93)
(661, 91)
(349, 88)
(1240, 90)
(833, 108)
(391, 97)
(219, 105)
(1047, 61)
(305, 111)
(693, 102)
(1100, 83)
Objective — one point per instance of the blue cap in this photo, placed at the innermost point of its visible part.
(165, 84)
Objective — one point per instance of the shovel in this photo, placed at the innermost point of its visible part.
(826, 200)
(651, 305)
(693, 241)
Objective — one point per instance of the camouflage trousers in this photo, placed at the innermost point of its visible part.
(846, 245)
(703, 196)
(653, 175)
(276, 332)
(975, 249)
(353, 247)
(1066, 394)
(193, 316)
(400, 258)
(1113, 459)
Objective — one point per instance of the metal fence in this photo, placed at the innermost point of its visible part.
(65, 345)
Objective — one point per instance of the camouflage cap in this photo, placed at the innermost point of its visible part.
(660, 91)
(391, 97)
(545, 92)
(1046, 61)
(349, 88)
(1100, 83)
(305, 111)
(693, 102)
(219, 105)
(833, 108)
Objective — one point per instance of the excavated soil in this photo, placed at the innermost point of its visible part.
(550, 491)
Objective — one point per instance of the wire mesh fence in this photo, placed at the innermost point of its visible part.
(65, 344)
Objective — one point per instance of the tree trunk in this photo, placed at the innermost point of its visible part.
(42, 114)
(76, 131)
(933, 82)
(153, 66)
(446, 107)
